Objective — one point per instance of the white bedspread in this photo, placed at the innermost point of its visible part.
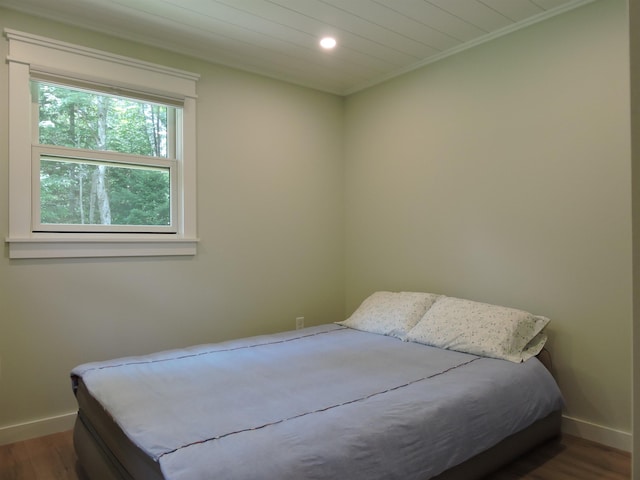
(319, 403)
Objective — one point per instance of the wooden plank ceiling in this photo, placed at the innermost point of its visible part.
(377, 39)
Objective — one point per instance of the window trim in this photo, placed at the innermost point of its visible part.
(31, 55)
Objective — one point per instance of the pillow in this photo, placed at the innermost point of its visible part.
(481, 329)
(390, 313)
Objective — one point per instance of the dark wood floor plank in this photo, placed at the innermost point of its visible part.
(569, 458)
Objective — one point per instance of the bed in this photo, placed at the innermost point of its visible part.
(367, 398)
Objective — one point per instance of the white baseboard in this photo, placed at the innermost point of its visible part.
(36, 428)
(597, 433)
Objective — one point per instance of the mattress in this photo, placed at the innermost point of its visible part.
(321, 403)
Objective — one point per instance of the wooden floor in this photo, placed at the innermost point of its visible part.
(52, 458)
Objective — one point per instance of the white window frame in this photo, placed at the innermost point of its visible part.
(47, 152)
(31, 55)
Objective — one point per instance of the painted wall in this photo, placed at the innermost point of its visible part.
(502, 174)
(270, 221)
(634, 46)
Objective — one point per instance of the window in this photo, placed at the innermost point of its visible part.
(99, 165)
(102, 163)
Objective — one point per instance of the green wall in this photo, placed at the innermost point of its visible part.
(270, 223)
(502, 174)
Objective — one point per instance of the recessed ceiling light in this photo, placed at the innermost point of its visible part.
(328, 43)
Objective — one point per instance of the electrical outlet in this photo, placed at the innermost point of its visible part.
(299, 323)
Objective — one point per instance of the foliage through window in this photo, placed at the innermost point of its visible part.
(127, 184)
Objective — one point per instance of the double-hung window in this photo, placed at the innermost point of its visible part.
(101, 153)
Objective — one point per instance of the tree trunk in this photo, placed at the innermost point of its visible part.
(81, 193)
(99, 174)
(101, 195)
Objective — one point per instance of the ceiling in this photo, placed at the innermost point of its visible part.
(377, 39)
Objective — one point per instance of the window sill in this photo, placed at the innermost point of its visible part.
(100, 245)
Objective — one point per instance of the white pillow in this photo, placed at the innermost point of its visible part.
(390, 313)
(481, 329)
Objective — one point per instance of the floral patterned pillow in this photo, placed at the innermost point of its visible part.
(390, 313)
(481, 329)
